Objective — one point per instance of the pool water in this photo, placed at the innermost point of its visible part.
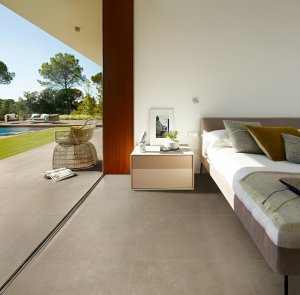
(5, 131)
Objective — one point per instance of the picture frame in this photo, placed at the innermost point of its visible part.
(161, 121)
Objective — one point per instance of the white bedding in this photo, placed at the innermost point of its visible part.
(228, 167)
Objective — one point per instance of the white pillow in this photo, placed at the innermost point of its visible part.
(216, 138)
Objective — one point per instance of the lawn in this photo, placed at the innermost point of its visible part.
(14, 145)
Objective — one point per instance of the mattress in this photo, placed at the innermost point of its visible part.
(228, 168)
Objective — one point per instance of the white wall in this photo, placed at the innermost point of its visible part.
(239, 57)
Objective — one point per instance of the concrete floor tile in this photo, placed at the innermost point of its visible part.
(27, 241)
(95, 237)
(189, 278)
(266, 282)
(190, 237)
(185, 204)
(72, 278)
(240, 244)
(144, 203)
(109, 206)
(6, 269)
(12, 229)
(42, 202)
(294, 285)
(116, 181)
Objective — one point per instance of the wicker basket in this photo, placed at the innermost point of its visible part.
(75, 157)
(73, 150)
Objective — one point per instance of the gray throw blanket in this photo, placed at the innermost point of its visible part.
(279, 203)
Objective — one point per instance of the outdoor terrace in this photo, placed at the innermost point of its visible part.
(31, 206)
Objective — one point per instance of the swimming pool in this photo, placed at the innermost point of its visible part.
(6, 131)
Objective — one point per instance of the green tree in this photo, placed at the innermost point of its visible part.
(49, 101)
(63, 105)
(22, 108)
(62, 73)
(98, 81)
(32, 99)
(5, 76)
(88, 106)
(7, 106)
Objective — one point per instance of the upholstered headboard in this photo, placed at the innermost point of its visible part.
(210, 124)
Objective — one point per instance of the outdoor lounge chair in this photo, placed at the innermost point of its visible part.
(73, 149)
(11, 117)
(44, 118)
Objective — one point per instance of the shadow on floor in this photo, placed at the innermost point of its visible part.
(203, 183)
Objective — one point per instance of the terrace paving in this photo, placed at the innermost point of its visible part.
(31, 206)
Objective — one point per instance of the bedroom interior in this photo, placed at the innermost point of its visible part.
(238, 59)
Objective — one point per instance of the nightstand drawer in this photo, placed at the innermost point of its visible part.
(162, 178)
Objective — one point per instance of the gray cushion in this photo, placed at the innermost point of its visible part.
(240, 137)
(292, 147)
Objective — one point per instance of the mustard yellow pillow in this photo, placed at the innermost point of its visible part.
(269, 139)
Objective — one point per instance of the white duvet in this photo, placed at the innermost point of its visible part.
(228, 168)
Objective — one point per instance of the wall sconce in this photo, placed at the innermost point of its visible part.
(77, 29)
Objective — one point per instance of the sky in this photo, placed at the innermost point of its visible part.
(24, 48)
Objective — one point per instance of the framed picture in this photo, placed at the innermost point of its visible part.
(161, 121)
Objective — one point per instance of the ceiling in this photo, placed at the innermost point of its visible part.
(60, 17)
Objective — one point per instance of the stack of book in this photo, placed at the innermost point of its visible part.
(59, 174)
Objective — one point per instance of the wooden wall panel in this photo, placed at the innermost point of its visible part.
(117, 85)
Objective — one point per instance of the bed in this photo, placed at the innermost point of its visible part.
(228, 169)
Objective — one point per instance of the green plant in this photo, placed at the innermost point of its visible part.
(79, 117)
(171, 134)
(21, 115)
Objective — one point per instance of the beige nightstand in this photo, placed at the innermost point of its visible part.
(156, 170)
